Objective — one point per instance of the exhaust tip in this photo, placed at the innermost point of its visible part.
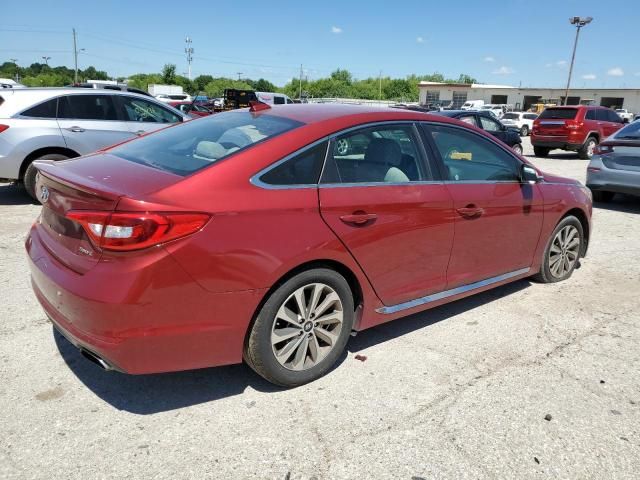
(92, 357)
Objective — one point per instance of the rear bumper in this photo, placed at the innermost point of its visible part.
(563, 143)
(142, 320)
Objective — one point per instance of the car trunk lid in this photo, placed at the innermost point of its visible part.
(621, 155)
(93, 183)
(557, 121)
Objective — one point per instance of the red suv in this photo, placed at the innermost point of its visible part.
(578, 129)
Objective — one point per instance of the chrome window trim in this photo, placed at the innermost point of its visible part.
(451, 292)
(381, 184)
(256, 181)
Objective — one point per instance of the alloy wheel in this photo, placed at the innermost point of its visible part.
(590, 148)
(307, 326)
(564, 251)
(342, 146)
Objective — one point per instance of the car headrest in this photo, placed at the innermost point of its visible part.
(206, 150)
(384, 150)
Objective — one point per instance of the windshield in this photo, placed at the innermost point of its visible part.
(563, 113)
(630, 132)
(511, 116)
(197, 144)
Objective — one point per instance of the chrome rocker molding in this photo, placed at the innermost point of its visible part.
(449, 293)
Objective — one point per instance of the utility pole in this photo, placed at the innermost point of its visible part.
(189, 51)
(579, 22)
(300, 84)
(239, 73)
(75, 57)
(380, 85)
(46, 60)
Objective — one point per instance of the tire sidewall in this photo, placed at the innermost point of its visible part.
(29, 178)
(259, 349)
(545, 270)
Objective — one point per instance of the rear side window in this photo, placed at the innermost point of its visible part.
(87, 107)
(530, 116)
(468, 157)
(44, 110)
(195, 145)
(278, 100)
(613, 117)
(303, 169)
(560, 113)
(590, 115)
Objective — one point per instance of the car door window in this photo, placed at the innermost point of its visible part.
(468, 157)
(601, 115)
(44, 110)
(383, 154)
(490, 125)
(302, 169)
(590, 115)
(470, 119)
(87, 107)
(614, 117)
(140, 110)
(278, 100)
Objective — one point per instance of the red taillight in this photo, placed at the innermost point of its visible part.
(571, 125)
(3, 128)
(602, 149)
(136, 230)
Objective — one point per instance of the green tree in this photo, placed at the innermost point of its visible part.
(169, 74)
(200, 82)
(262, 85)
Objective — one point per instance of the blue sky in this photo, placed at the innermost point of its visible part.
(497, 41)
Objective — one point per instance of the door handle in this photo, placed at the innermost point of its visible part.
(358, 218)
(140, 132)
(470, 211)
(76, 129)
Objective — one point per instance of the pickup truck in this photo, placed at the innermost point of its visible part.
(625, 114)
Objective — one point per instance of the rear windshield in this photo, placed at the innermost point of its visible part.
(630, 132)
(199, 143)
(511, 116)
(563, 113)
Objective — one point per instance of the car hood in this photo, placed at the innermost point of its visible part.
(549, 178)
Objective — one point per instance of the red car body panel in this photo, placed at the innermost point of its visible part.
(189, 303)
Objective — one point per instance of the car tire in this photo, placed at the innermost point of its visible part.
(342, 146)
(602, 196)
(29, 178)
(586, 151)
(541, 151)
(517, 148)
(281, 350)
(561, 255)
(524, 130)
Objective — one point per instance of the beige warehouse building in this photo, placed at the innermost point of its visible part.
(523, 98)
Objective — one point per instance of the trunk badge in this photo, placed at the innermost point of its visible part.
(44, 194)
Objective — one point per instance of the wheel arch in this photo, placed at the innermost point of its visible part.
(584, 221)
(341, 268)
(44, 151)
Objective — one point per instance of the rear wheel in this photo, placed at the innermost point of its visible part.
(29, 179)
(562, 253)
(302, 329)
(524, 130)
(602, 196)
(517, 148)
(541, 151)
(586, 151)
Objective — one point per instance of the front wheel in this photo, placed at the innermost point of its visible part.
(524, 130)
(562, 253)
(302, 329)
(517, 148)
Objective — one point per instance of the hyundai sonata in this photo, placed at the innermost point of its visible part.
(257, 235)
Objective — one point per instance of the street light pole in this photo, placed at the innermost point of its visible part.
(579, 22)
(46, 60)
(75, 57)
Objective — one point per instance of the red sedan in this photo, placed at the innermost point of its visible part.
(271, 235)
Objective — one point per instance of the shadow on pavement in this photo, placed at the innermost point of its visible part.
(12, 194)
(402, 326)
(558, 156)
(621, 203)
(149, 394)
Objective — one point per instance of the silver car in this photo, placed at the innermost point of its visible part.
(615, 165)
(61, 123)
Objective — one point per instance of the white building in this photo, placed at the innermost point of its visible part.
(523, 98)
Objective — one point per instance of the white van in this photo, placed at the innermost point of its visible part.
(472, 105)
(273, 98)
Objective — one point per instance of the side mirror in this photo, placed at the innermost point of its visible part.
(529, 174)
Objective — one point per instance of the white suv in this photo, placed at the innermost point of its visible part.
(61, 123)
(523, 121)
